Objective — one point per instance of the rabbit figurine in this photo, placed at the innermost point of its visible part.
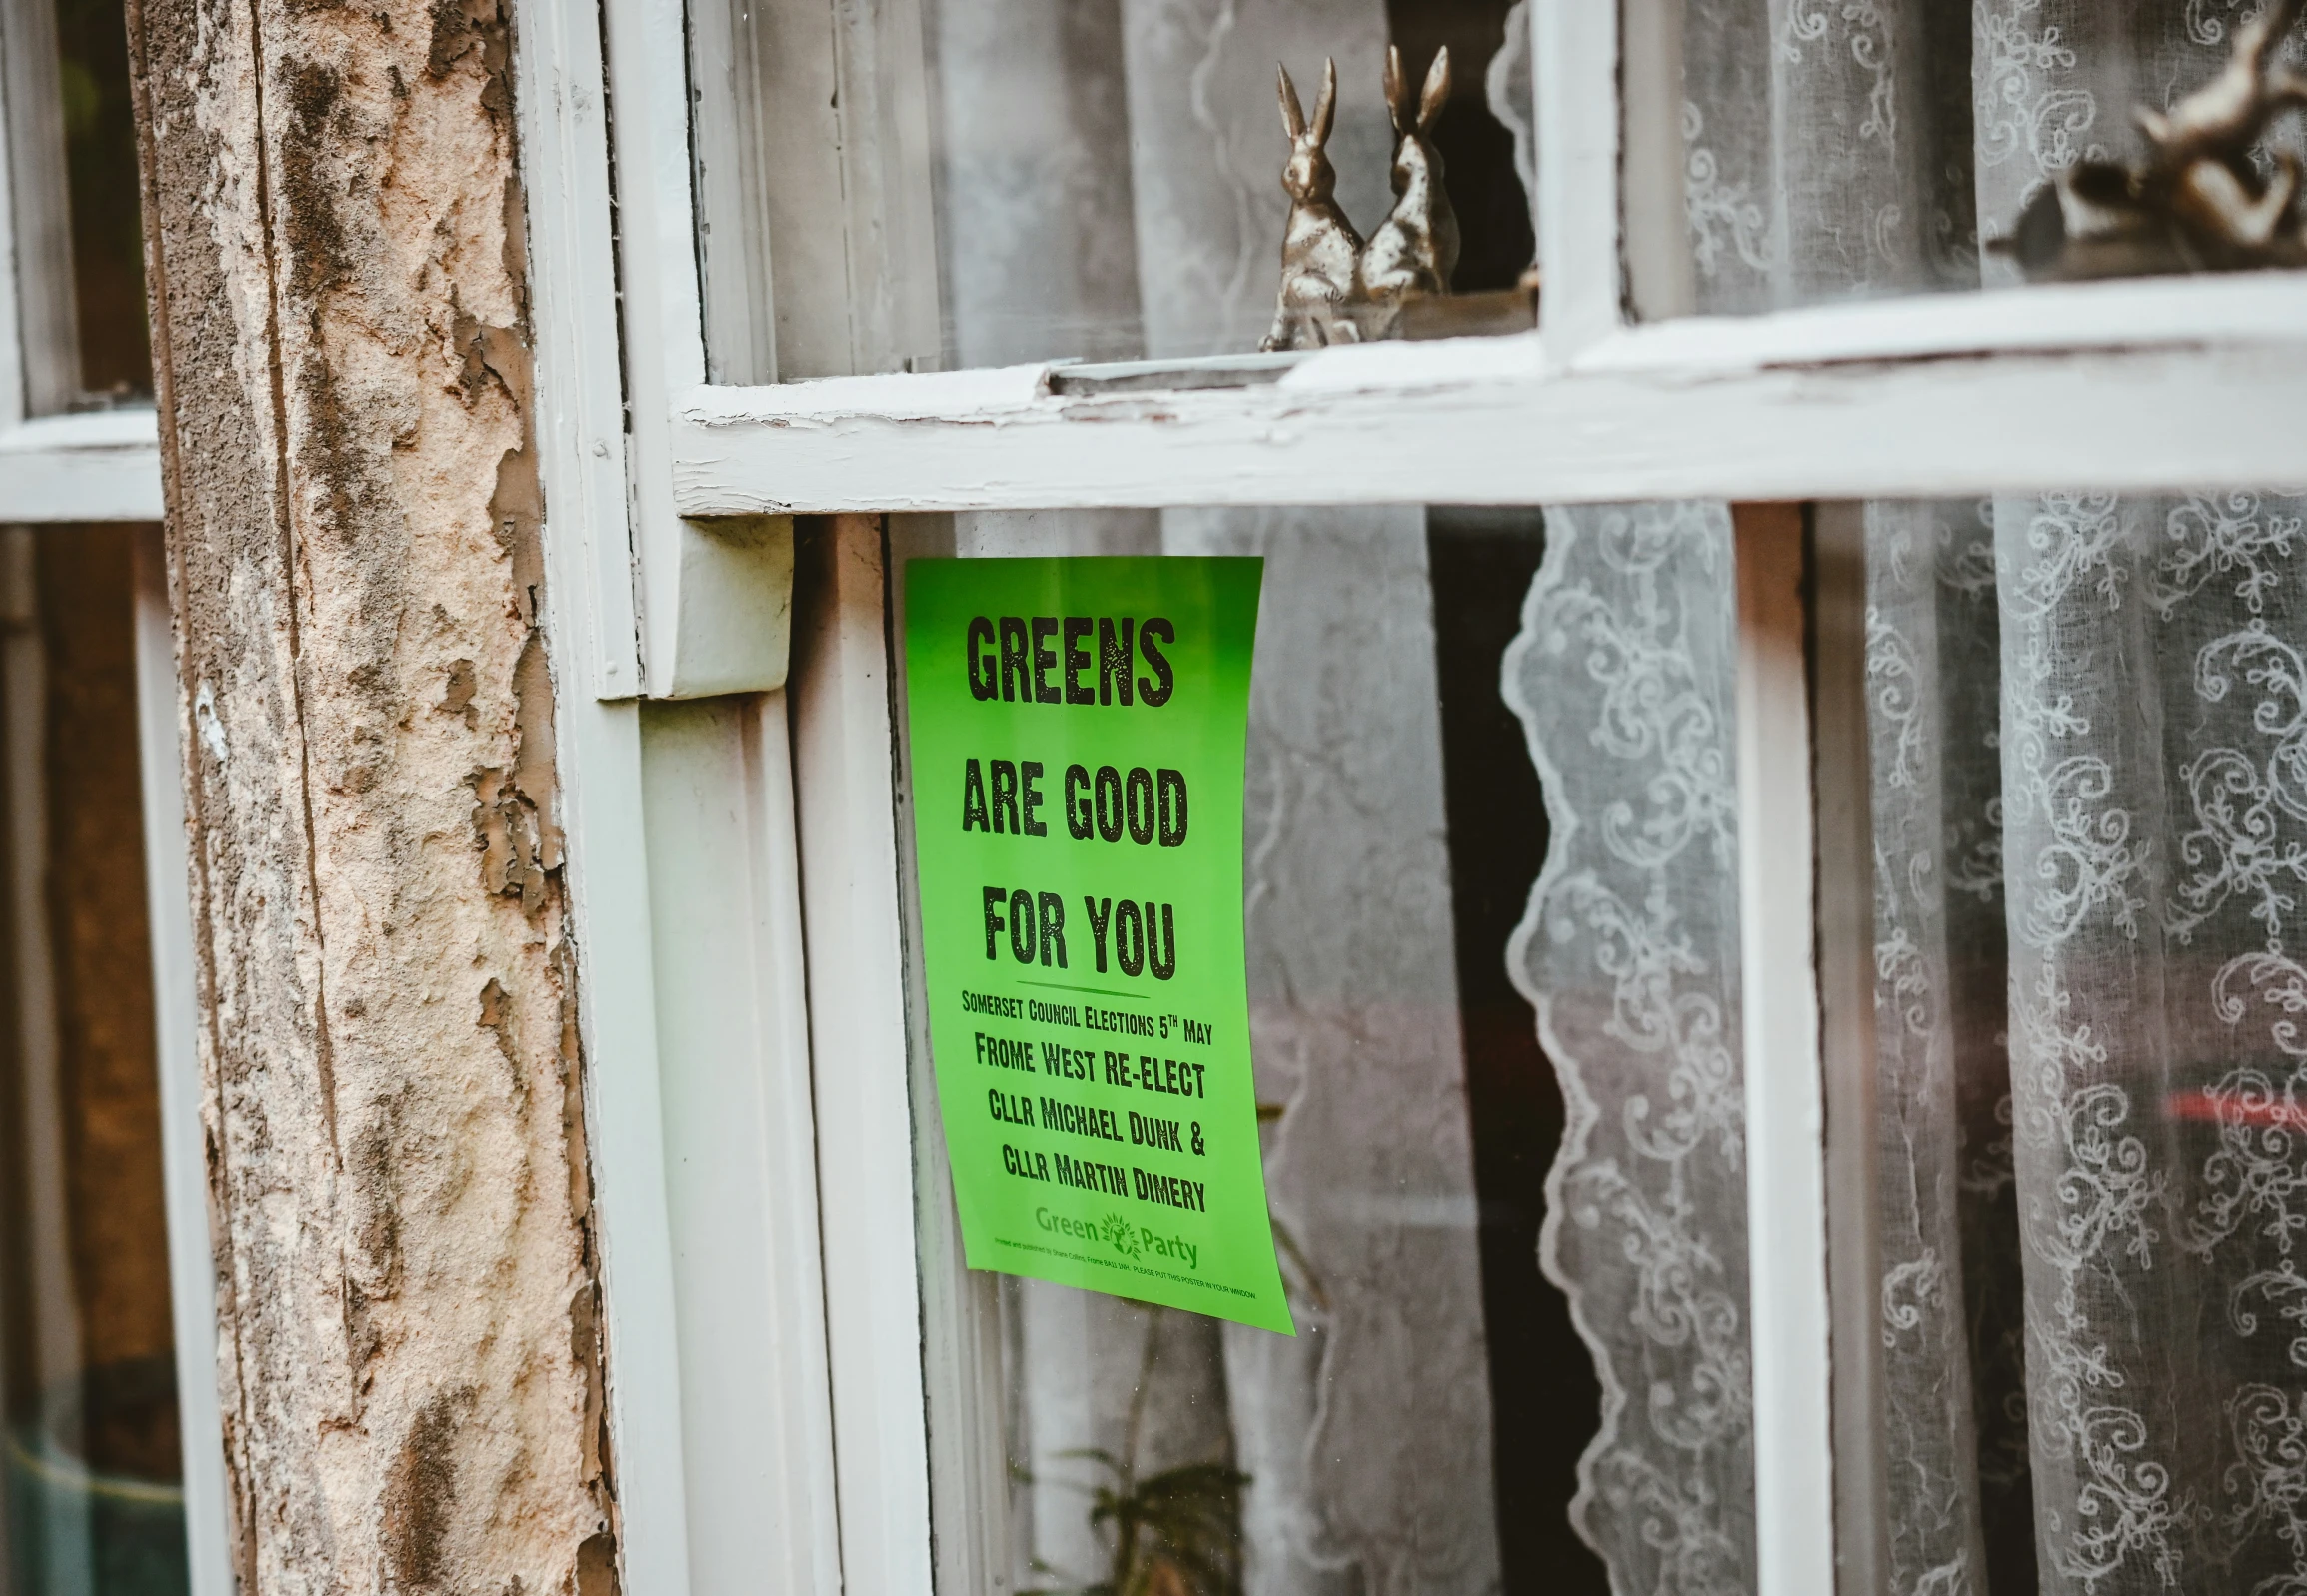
(2204, 143)
(1415, 250)
(2201, 202)
(1319, 249)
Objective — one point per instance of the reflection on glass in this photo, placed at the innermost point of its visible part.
(1849, 151)
(1029, 180)
(100, 163)
(1110, 181)
(1422, 1431)
(93, 1504)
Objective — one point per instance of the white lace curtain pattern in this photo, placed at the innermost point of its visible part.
(2088, 720)
(1629, 953)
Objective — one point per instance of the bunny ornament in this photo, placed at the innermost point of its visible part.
(1320, 251)
(2201, 202)
(1416, 250)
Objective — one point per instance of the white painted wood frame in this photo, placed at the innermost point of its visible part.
(1789, 1322)
(689, 1001)
(847, 805)
(2127, 386)
(100, 465)
(175, 1031)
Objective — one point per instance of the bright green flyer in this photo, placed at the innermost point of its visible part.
(1079, 729)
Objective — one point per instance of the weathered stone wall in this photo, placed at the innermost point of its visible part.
(408, 1362)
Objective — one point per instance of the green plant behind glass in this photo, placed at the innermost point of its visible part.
(1176, 1533)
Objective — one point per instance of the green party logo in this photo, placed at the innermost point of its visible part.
(1121, 1235)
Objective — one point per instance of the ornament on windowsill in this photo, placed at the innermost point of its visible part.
(2199, 204)
(1336, 289)
(1320, 251)
(1414, 252)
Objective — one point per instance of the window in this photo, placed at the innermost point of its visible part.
(1085, 183)
(94, 1468)
(1437, 1390)
(113, 1445)
(868, 297)
(1802, 158)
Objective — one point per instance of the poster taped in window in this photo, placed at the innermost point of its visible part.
(1079, 729)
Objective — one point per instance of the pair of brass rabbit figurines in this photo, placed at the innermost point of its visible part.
(1336, 289)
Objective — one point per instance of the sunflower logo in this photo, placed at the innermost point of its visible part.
(1120, 1234)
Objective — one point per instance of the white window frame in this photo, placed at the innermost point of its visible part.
(61, 467)
(2129, 385)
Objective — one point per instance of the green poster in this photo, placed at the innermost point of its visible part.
(1079, 729)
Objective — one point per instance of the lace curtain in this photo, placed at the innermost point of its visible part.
(1621, 675)
(2088, 729)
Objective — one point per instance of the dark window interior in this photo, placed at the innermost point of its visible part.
(1546, 1400)
(93, 1466)
(107, 233)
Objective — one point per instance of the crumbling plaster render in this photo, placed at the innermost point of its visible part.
(409, 1359)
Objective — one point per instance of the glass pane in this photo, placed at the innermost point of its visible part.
(1826, 152)
(1102, 180)
(107, 227)
(2080, 1128)
(2084, 718)
(73, 201)
(1442, 1163)
(94, 1503)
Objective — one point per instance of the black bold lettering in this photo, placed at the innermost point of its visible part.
(1115, 668)
(1100, 911)
(1156, 691)
(1053, 925)
(1045, 659)
(1129, 939)
(984, 683)
(995, 898)
(1164, 962)
(1077, 661)
(1109, 803)
(974, 798)
(1015, 681)
(1140, 804)
(1005, 797)
(1030, 773)
(1079, 818)
(1023, 943)
(1171, 789)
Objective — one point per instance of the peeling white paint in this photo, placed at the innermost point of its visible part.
(205, 717)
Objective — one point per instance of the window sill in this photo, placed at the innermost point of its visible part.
(2164, 383)
(98, 465)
